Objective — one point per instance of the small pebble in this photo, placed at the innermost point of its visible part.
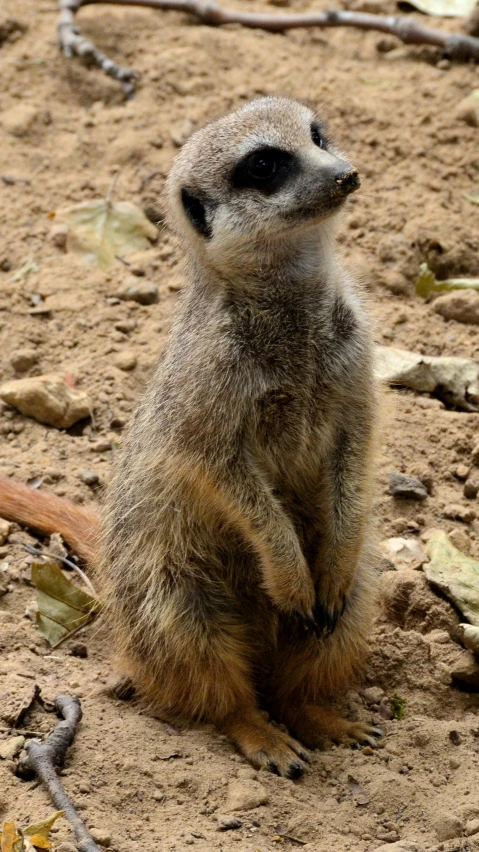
(79, 649)
(23, 359)
(89, 477)
(228, 823)
(139, 291)
(126, 360)
(406, 487)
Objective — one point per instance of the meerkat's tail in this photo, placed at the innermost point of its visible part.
(47, 513)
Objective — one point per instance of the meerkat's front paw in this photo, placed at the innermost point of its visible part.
(329, 607)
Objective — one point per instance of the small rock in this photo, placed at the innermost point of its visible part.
(373, 695)
(89, 477)
(472, 827)
(468, 109)
(181, 132)
(66, 847)
(406, 550)
(471, 488)
(401, 846)
(462, 470)
(139, 291)
(101, 446)
(461, 540)
(245, 795)
(126, 360)
(11, 747)
(406, 487)
(388, 836)
(18, 120)
(475, 454)
(447, 827)
(456, 512)
(226, 823)
(48, 399)
(396, 590)
(126, 326)
(466, 670)
(5, 530)
(101, 837)
(58, 236)
(455, 737)
(84, 787)
(23, 359)
(461, 305)
(79, 649)
(6, 617)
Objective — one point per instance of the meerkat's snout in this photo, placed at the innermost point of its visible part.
(348, 181)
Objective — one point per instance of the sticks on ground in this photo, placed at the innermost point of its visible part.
(457, 45)
(43, 757)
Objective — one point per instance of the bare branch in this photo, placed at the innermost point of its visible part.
(43, 757)
(457, 45)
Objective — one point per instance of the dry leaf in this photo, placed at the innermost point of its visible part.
(62, 606)
(358, 792)
(445, 8)
(101, 230)
(9, 837)
(42, 829)
(454, 573)
(474, 198)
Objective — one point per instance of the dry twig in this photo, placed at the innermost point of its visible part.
(43, 757)
(456, 45)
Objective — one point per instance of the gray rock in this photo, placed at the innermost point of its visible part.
(226, 823)
(89, 477)
(406, 487)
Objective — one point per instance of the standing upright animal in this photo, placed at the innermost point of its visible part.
(236, 567)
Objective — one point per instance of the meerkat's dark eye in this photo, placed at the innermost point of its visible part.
(263, 165)
(266, 170)
(196, 213)
(317, 136)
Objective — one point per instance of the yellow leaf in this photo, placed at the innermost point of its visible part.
(8, 836)
(42, 828)
(101, 230)
(40, 842)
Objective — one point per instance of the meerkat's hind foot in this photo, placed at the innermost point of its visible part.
(315, 726)
(267, 747)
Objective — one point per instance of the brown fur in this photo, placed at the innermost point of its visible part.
(239, 509)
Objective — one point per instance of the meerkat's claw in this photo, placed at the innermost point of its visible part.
(326, 619)
(308, 622)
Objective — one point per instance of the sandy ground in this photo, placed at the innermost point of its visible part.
(139, 784)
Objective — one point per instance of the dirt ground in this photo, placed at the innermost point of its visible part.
(139, 784)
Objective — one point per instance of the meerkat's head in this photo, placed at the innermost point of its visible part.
(258, 175)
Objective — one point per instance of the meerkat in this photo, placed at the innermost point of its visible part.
(235, 560)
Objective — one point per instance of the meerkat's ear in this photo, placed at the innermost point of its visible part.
(196, 213)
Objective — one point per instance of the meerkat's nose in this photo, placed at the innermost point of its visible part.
(348, 181)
